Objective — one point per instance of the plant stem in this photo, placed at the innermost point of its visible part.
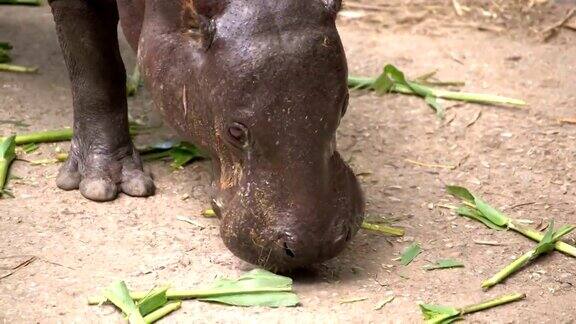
(21, 2)
(193, 294)
(56, 135)
(537, 236)
(492, 303)
(363, 82)
(162, 311)
(509, 269)
(394, 231)
(17, 68)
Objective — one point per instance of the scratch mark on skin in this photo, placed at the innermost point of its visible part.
(184, 102)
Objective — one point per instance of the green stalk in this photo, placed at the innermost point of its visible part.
(194, 294)
(509, 269)
(537, 236)
(57, 135)
(17, 68)
(394, 231)
(492, 303)
(162, 311)
(50, 136)
(21, 2)
(362, 82)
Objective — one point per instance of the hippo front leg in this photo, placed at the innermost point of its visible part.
(102, 159)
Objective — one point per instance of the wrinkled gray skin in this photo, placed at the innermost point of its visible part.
(258, 84)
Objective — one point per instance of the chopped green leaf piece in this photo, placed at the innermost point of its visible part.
(154, 300)
(119, 295)
(257, 279)
(491, 213)
(444, 264)
(410, 253)
(460, 192)
(439, 314)
(475, 214)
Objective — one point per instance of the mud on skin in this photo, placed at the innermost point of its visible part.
(259, 85)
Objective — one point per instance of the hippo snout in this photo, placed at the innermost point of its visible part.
(282, 231)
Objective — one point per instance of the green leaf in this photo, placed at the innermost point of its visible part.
(254, 280)
(549, 240)
(118, 294)
(184, 153)
(439, 314)
(7, 156)
(410, 253)
(491, 213)
(460, 192)
(475, 214)
(444, 264)
(436, 105)
(153, 301)
(383, 84)
(486, 211)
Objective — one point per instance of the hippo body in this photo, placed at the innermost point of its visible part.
(258, 84)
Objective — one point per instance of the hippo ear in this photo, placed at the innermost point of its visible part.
(333, 6)
(209, 8)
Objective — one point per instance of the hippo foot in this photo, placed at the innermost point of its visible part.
(101, 176)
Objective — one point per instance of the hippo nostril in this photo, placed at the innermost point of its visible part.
(288, 251)
(216, 207)
(348, 235)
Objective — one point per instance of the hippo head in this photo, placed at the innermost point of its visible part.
(275, 72)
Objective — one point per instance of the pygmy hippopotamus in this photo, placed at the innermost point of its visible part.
(260, 85)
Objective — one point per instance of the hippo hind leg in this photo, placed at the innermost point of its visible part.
(102, 158)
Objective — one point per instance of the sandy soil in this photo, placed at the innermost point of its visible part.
(519, 160)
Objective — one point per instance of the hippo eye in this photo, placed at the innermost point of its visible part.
(238, 135)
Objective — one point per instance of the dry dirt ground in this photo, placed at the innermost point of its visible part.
(522, 161)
